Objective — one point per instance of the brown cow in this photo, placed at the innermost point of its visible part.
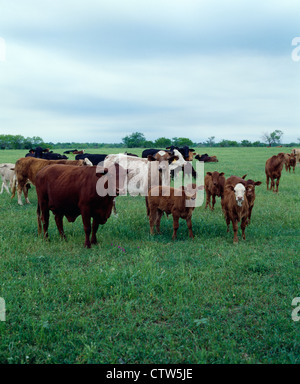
(173, 201)
(273, 170)
(235, 207)
(27, 168)
(250, 189)
(214, 186)
(290, 162)
(72, 191)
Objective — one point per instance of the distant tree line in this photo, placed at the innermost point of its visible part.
(19, 142)
(138, 140)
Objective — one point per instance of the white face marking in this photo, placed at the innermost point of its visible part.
(239, 191)
(161, 153)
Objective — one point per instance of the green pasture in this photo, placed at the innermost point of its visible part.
(136, 298)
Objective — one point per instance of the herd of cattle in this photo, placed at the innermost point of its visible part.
(71, 187)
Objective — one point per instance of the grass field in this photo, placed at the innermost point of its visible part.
(140, 299)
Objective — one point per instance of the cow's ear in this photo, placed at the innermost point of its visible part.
(243, 177)
(231, 187)
(209, 173)
(221, 174)
(151, 158)
(257, 183)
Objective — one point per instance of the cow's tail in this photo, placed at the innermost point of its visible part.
(14, 186)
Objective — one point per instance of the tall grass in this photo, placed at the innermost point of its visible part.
(136, 298)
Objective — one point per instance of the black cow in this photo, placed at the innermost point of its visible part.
(38, 152)
(186, 152)
(202, 157)
(53, 156)
(31, 153)
(70, 151)
(150, 152)
(94, 158)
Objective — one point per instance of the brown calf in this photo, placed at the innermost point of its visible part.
(273, 170)
(26, 170)
(236, 209)
(290, 162)
(250, 189)
(178, 206)
(72, 191)
(214, 186)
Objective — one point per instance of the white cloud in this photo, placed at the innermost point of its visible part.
(96, 71)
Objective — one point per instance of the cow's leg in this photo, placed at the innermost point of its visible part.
(189, 224)
(25, 191)
(235, 231)
(272, 187)
(114, 207)
(94, 231)
(243, 226)
(267, 181)
(250, 212)
(45, 220)
(159, 214)
(227, 222)
(213, 202)
(19, 192)
(86, 219)
(6, 187)
(38, 213)
(277, 184)
(59, 224)
(152, 219)
(175, 226)
(2, 188)
(207, 199)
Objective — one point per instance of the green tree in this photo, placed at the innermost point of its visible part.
(149, 144)
(210, 141)
(134, 140)
(162, 142)
(272, 138)
(182, 141)
(246, 143)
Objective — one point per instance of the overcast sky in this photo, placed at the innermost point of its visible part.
(95, 71)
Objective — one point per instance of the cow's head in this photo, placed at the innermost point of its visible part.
(164, 158)
(250, 188)
(87, 162)
(217, 179)
(239, 191)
